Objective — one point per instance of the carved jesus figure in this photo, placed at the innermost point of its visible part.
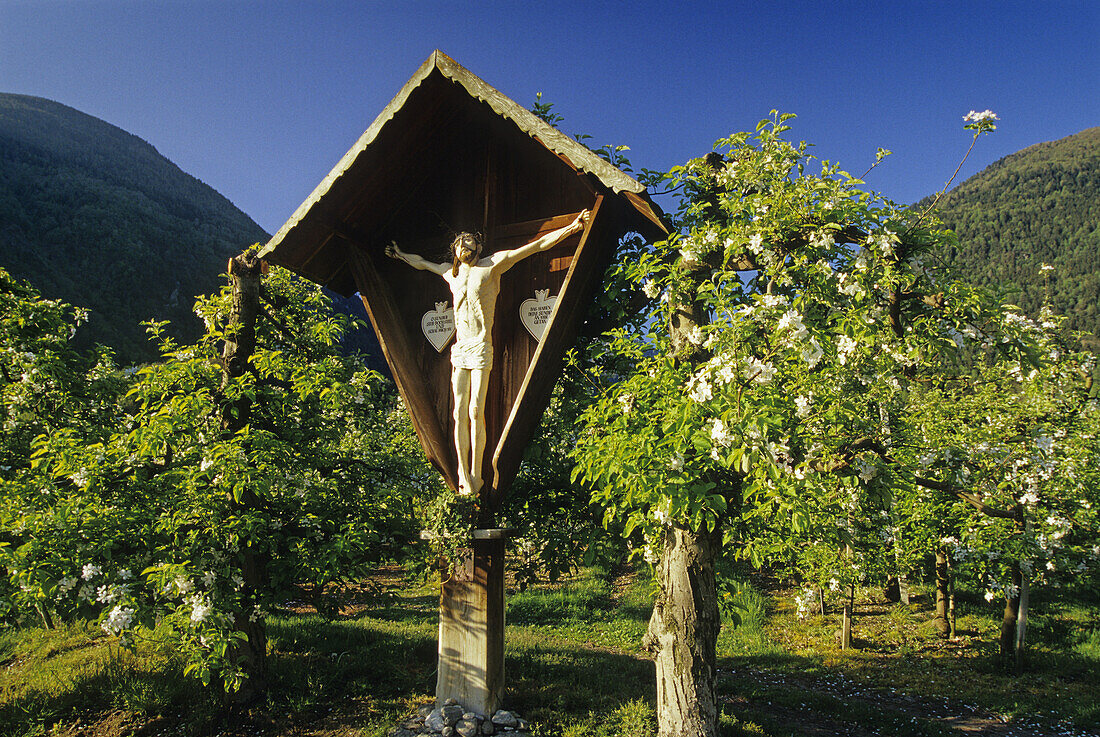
(475, 284)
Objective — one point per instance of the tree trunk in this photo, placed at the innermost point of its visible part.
(1021, 625)
(943, 625)
(821, 600)
(951, 599)
(846, 623)
(683, 633)
(240, 343)
(1011, 614)
(1014, 623)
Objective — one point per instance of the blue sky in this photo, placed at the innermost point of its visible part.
(260, 98)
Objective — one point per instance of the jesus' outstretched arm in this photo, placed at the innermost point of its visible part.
(506, 259)
(415, 261)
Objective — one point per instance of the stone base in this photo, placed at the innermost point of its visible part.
(453, 720)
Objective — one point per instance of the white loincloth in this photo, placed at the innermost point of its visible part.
(472, 353)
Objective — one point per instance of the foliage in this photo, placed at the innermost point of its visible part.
(815, 295)
(164, 514)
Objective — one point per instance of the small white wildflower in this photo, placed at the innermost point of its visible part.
(67, 584)
(649, 289)
(208, 579)
(90, 570)
(803, 404)
(125, 574)
(990, 596)
(676, 463)
(756, 243)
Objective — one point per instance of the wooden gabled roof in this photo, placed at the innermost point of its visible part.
(451, 154)
(356, 197)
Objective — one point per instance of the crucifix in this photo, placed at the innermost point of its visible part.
(475, 285)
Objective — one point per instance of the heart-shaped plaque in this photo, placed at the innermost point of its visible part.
(439, 325)
(535, 313)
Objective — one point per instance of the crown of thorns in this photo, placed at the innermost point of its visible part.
(478, 239)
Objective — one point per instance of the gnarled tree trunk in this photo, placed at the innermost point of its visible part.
(683, 633)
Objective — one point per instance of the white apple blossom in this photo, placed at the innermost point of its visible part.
(90, 570)
(183, 584)
(976, 117)
(699, 389)
(720, 434)
(755, 370)
(822, 239)
(812, 353)
(845, 347)
(120, 618)
(200, 608)
(867, 470)
(792, 322)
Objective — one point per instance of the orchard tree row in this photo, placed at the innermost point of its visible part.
(812, 390)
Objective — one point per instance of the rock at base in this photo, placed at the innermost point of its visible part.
(505, 719)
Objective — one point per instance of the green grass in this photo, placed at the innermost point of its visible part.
(574, 667)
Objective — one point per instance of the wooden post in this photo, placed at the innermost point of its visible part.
(471, 627)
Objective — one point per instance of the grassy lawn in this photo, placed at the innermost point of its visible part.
(575, 668)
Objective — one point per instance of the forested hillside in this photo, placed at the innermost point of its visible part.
(1038, 206)
(96, 216)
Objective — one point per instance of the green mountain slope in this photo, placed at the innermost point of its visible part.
(1037, 206)
(96, 216)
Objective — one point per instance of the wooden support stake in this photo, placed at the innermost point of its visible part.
(471, 627)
